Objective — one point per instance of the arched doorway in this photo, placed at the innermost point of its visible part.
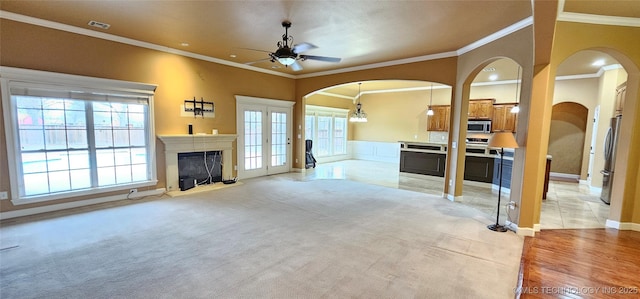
(397, 114)
(585, 99)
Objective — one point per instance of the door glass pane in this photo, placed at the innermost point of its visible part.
(278, 138)
(253, 139)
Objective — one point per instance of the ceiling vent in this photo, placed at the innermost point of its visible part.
(101, 25)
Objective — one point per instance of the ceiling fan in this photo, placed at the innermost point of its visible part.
(289, 56)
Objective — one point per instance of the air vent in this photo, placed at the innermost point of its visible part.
(489, 69)
(104, 26)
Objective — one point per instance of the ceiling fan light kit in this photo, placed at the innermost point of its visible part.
(289, 56)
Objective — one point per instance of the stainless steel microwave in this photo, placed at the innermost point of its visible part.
(479, 126)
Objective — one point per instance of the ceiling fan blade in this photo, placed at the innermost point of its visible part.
(254, 62)
(296, 66)
(301, 47)
(321, 58)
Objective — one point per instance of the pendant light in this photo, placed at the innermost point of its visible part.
(515, 108)
(430, 111)
(358, 114)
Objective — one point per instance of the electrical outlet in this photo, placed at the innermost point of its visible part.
(450, 182)
(235, 167)
(296, 160)
(4, 195)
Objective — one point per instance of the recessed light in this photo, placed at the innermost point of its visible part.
(184, 44)
(489, 69)
(599, 62)
(233, 56)
(493, 77)
(100, 25)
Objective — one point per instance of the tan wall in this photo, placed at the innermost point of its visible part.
(440, 71)
(502, 93)
(568, 127)
(517, 46)
(615, 41)
(178, 78)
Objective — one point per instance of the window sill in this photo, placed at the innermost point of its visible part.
(95, 191)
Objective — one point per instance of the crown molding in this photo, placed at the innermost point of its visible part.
(496, 35)
(381, 64)
(598, 19)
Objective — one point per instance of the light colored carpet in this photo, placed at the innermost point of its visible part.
(272, 237)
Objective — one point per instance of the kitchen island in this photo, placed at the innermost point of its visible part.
(482, 164)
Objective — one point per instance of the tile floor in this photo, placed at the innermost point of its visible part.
(568, 205)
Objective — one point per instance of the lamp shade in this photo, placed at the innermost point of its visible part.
(503, 140)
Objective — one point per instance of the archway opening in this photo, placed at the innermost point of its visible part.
(586, 98)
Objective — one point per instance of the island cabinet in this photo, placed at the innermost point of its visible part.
(503, 119)
(422, 163)
(481, 109)
(479, 169)
(439, 121)
(506, 171)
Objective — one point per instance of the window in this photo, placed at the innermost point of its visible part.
(327, 127)
(66, 140)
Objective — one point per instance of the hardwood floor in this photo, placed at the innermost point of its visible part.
(580, 263)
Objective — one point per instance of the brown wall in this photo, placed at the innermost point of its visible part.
(178, 78)
(567, 137)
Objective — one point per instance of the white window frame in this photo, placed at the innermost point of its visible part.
(318, 111)
(16, 78)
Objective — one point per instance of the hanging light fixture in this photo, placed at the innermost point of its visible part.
(516, 108)
(358, 115)
(430, 111)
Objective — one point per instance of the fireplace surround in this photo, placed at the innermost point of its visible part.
(175, 144)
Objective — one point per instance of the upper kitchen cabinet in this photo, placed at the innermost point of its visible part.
(439, 121)
(481, 109)
(503, 119)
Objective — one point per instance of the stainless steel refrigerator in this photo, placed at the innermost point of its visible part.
(610, 144)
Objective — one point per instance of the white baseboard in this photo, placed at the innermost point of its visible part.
(453, 198)
(74, 204)
(564, 176)
(523, 231)
(623, 225)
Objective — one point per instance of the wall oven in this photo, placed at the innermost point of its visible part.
(479, 126)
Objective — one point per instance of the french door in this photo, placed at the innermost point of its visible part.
(264, 136)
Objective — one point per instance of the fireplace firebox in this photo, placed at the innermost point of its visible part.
(203, 167)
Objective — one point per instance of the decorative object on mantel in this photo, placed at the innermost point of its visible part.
(516, 108)
(199, 108)
(430, 111)
(501, 140)
(358, 114)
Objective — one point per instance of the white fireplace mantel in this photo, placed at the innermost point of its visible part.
(175, 144)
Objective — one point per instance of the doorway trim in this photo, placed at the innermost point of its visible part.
(265, 105)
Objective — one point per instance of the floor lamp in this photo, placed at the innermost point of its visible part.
(501, 140)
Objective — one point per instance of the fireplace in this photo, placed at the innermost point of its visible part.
(203, 167)
(193, 147)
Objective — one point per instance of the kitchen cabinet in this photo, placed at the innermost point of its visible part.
(439, 121)
(503, 119)
(481, 109)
